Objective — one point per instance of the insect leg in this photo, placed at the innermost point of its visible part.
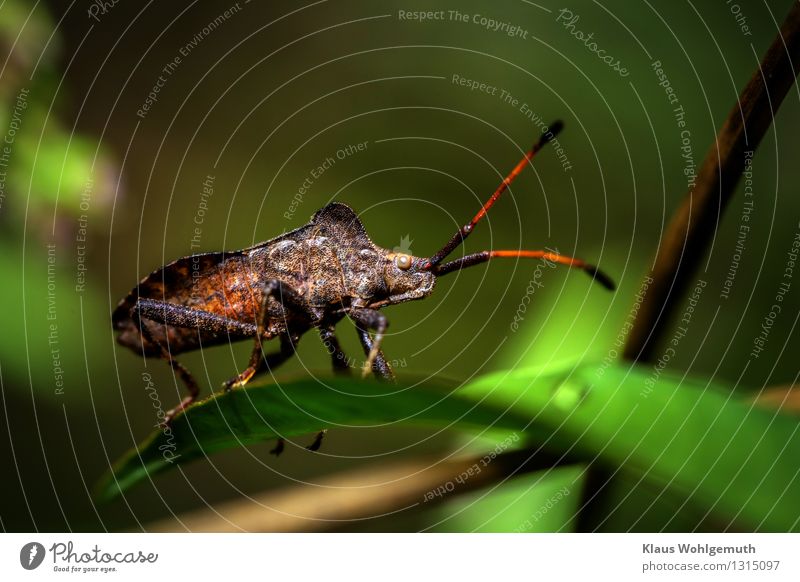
(365, 320)
(258, 361)
(339, 360)
(338, 357)
(176, 315)
(317, 441)
(380, 367)
(286, 296)
(142, 315)
(290, 298)
(283, 294)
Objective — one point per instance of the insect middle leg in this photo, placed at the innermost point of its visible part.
(260, 361)
(339, 361)
(338, 357)
(340, 367)
(287, 297)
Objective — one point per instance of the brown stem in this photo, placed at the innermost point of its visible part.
(344, 499)
(784, 398)
(693, 225)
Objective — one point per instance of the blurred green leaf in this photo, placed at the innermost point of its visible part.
(26, 30)
(691, 438)
(44, 344)
(721, 454)
(628, 503)
(54, 165)
(266, 411)
(545, 501)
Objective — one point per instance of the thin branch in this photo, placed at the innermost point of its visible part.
(785, 399)
(693, 225)
(340, 500)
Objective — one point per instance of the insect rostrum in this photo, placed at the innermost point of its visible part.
(311, 277)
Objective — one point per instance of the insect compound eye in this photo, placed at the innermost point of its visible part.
(403, 262)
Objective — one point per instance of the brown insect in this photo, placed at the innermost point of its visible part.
(311, 277)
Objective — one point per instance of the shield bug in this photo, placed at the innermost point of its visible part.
(311, 277)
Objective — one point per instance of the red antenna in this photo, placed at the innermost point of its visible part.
(474, 259)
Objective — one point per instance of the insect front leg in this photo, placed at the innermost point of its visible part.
(380, 367)
(365, 320)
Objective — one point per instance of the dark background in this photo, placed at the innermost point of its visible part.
(268, 96)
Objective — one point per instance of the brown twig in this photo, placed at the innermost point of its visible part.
(344, 498)
(340, 500)
(785, 399)
(693, 225)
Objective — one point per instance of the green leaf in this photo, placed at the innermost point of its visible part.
(694, 438)
(544, 501)
(691, 439)
(628, 503)
(266, 411)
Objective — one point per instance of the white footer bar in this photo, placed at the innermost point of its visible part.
(401, 557)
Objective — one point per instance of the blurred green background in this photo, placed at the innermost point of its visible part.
(258, 101)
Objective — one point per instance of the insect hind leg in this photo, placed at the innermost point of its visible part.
(178, 369)
(147, 311)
